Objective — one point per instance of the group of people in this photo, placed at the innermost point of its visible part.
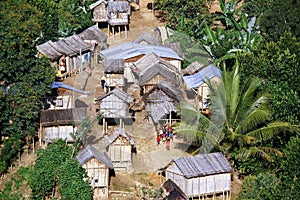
(165, 134)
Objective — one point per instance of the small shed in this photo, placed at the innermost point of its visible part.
(98, 167)
(59, 124)
(114, 73)
(115, 105)
(151, 69)
(99, 10)
(201, 175)
(119, 147)
(172, 191)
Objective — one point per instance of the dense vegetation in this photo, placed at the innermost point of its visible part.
(261, 37)
(261, 40)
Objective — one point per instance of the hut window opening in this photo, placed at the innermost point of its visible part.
(96, 180)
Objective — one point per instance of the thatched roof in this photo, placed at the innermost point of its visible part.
(90, 152)
(94, 5)
(151, 65)
(147, 38)
(109, 139)
(94, 33)
(197, 79)
(193, 68)
(173, 91)
(175, 193)
(68, 46)
(203, 165)
(113, 65)
(162, 100)
(117, 6)
(62, 116)
(119, 94)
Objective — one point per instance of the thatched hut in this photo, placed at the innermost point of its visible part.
(59, 124)
(120, 146)
(114, 73)
(162, 100)
(98, 167)
(66, 54)
(115, 106)
(201, 175)
(95, 36)
(99, 10)
(151, 69)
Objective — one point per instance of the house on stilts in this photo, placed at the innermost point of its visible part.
(201, 175)
(115, 108)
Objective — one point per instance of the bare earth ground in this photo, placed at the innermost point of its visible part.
(149, 157)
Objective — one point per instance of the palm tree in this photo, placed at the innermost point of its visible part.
(240, 120)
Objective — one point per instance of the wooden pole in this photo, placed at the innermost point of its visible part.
(103, 125)
(108, 31)
(113, 30)
(119, 27)
(126, 35)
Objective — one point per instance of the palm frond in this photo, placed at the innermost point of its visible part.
(260, 152)
(274, 128)
(252, 120)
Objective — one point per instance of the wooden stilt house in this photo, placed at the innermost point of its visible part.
(118, 16)
(201, 175)
(119, 147)
(98, 167)
(115, 106)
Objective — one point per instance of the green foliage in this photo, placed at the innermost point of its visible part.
(12, 189)
(262, 186)
(71, 185)
(191, 49)
(290, 175)
(24, 79)
(182, 15)
(278, 64)
(281, 17)
(239, 124)
(56, 170)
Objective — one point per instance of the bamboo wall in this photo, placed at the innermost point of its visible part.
(97, 172)
(113, 107)
(199, 186)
